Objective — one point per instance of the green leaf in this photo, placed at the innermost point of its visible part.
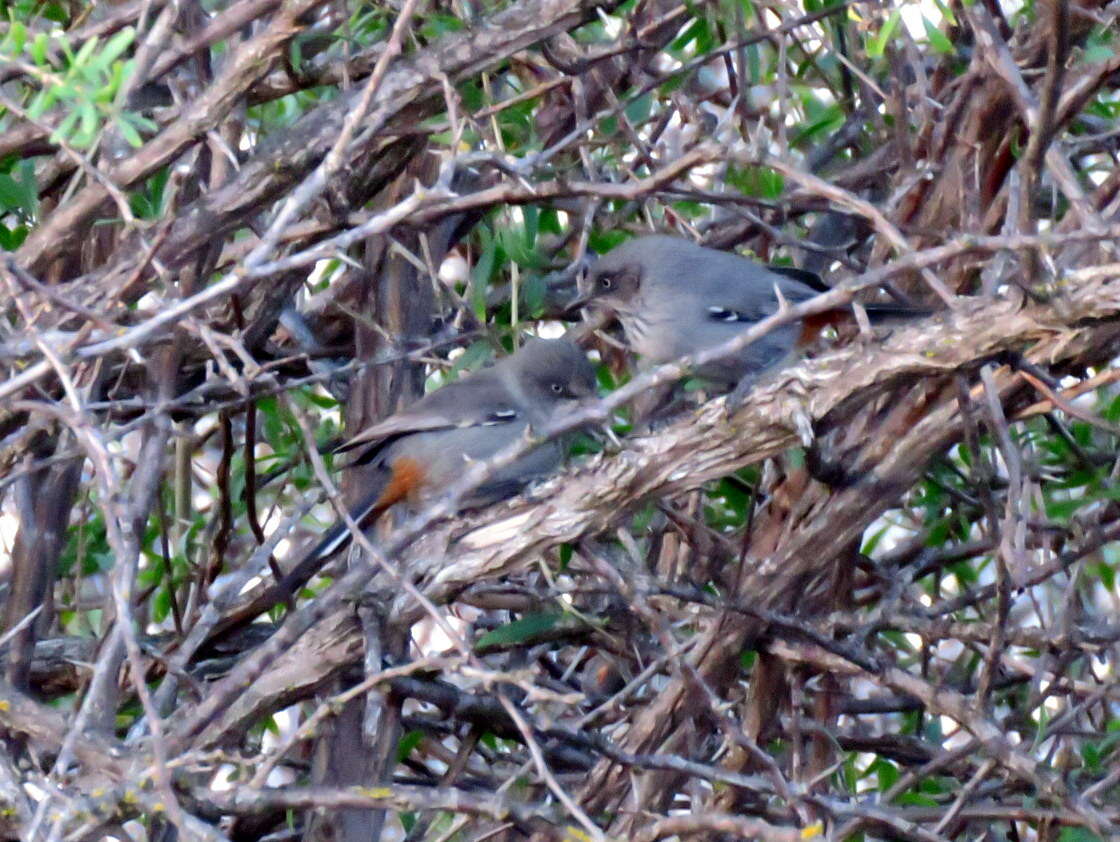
(116, 45)
(482, 272)
(142, 122)
(897, 639)
(1078, 834)
(1106, 575)
(18, 191)
(672, 84)
(531, 214)
(161, 605)
(965, 573)
(1091, 754)
(796, 457)
(1111, 413)
(87, 131)
(321, 401)
(878, 45)
(475, 355)
(39, 49)
(68, 54)
(438, 25)
(1096, 53)
(407, 743)
(871, 543)
(151, 573)
(821, 121)
(1063, 510)
(85, 52)
(601, 242)
(946, 12)
(936, 785)
(758, 181)
(109, 90)
(273, 427)
(513, 244)
(915, 799)
(472, 95)
(12, 239)
(128, 132)
(885, 772)
(520, 631)
(694, 32)
(938, 39)
(533, 292)
(638, 111)
(17, 37)
(65, 127)
(55, 12)
(38, 105)
(147, 202)
(550, 221)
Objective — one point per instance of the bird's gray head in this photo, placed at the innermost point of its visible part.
(617, 279)
(554, 370)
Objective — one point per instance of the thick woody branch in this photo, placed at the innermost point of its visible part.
(779, 414)
(60, 231)
(411, 85)
(714, 442)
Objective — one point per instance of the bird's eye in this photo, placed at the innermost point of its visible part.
(606, 282)
(557, 388)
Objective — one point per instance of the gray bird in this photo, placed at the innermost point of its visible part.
(424, 448)
(674, 297)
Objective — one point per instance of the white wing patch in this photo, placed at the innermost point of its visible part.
(725, 314)
(500, 416)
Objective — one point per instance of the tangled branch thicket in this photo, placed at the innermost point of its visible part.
(873, 599)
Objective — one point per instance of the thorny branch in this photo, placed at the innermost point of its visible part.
(683, 634)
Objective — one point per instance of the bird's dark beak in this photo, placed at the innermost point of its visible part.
(578, 273)
(572, 308)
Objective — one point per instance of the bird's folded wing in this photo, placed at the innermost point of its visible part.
(742, 291)
(478, 400)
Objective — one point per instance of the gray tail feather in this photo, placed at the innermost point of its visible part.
(878, 311)
(337, 538)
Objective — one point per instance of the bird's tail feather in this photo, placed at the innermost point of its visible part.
(880, 311)
(338, 537)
